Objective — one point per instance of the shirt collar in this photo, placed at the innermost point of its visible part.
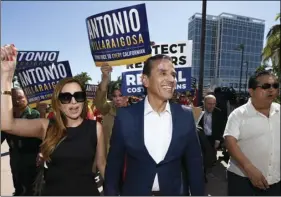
(274, 108)
(252, 110)
(205, 111)
(208, 113)
(26, 112)
(148, 109)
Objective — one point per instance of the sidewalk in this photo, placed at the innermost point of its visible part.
(217, 184)
(7, 187)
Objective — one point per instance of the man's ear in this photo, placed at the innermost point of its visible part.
(126, 98)
(145, 80)
(251, 92)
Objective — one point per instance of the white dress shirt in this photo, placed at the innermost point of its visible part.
(258, 137)
(208, 123)
(157, 134)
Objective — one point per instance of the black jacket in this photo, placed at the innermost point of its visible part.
(209, 153)
(218, 124)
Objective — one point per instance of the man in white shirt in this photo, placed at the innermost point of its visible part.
(252, 137)
(158, 140)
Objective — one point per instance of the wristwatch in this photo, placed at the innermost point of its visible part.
(6, 92)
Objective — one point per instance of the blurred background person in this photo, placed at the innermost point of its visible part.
(23, 150)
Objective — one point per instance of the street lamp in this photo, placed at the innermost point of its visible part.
(241, 48)
(202, 52)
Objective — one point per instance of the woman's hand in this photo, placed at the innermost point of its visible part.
(8, 61)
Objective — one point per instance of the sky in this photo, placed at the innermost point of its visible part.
(60, 25)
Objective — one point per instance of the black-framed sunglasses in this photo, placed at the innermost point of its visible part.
(65, 97)
(266, 86)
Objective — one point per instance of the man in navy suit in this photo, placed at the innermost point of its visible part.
(158, 139)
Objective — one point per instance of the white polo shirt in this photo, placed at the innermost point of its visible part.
(258, 138)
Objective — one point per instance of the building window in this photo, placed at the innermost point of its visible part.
(237, 73)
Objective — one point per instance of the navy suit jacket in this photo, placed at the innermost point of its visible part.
(182, 165)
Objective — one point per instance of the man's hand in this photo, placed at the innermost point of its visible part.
(256, 177)
(106, 70)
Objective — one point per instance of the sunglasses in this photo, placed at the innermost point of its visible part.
(65, 97)
(268, 86)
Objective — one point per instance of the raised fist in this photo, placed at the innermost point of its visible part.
(8, 60)
(106, 70)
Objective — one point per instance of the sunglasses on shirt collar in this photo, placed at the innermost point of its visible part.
(65, 97)
(266, 86)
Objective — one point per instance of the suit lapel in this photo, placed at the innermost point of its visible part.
(201, 120)
(140, 128)
(140, 119)
(214, 118)
(175, 134)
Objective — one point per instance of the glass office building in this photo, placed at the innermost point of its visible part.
(224, 34)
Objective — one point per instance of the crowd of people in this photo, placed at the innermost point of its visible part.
(160, 143)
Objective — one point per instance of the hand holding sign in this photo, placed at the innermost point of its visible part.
(8, 60)
(106, 70)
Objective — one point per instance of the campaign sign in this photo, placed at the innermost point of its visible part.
(91, 90)
(181, 55)
(132, 85)
(38, 82)
(36, 58)
(119, 37)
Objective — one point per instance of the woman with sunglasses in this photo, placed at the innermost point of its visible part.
(70, 142)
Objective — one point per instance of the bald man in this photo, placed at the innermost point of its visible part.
(213, 121)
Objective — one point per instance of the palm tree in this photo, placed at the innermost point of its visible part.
(83, 77)
(271, 50)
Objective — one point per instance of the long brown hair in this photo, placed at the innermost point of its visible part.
(57, 130)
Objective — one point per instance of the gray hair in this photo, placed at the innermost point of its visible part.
(210, 96)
